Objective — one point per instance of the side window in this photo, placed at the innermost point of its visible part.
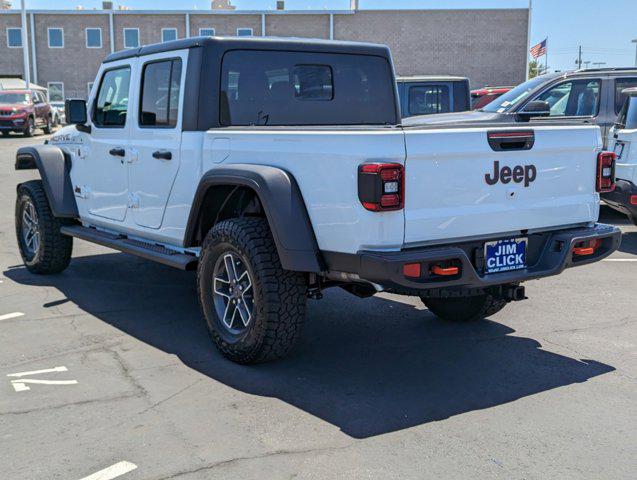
(159, 103)
(575, 98)
(628, 114)
(426, 99)
(111, 103)
(620, 85)
(294, 88)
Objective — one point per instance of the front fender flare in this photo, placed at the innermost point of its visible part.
(54, 167)
(284, 207)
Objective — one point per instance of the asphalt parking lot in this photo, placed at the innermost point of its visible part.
(108, 367)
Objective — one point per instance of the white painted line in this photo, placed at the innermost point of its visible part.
(9, 316)
(113, 471)
(21, 385)
(36, 372)
(620, 260)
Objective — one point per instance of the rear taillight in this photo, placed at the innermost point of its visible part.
(606, 172)
(381, 186)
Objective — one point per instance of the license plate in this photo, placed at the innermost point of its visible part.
(619, 150)
(505, 255)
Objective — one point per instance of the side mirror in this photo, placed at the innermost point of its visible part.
(535, 108)
(75, 112)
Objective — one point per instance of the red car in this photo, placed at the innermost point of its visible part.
(23, 111)
(484, 96)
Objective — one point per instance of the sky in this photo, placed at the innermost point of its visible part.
(603, 29)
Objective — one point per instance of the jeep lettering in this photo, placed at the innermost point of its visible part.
(518, 174)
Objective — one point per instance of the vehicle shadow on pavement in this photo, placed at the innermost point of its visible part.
(368, 367)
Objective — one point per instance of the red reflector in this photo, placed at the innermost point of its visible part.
(444, 271)
(387, 201)
(389, 174)
(633, 199)
(411, 270)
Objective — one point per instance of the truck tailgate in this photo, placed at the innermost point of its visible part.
(452, 190)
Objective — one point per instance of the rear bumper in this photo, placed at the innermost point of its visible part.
(619, 198)
(548, 254)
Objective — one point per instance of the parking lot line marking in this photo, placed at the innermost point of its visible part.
(9, 316)
(21, 385)
(113, 471)
(620, 259)
(36, 372)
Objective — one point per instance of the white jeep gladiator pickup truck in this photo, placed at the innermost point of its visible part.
(279, 167)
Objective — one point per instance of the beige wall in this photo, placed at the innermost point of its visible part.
(10, 58)
(488, 46)
(74, 65)
(225, 25)
(149, 27)
(308, 26)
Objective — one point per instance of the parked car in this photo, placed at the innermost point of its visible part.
(235, 157)
(23, 111)
(484, 96)
(585, 96)
(429, 94)
(623, 141)
(58, 113)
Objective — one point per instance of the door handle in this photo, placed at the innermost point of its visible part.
(163, 155)
(117, 152)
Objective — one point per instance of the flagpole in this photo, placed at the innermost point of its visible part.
(546, 56)
(528, 38)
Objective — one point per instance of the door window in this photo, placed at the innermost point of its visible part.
(111, 104)
(620, 85)
(159, 106)
(575, 98)
(427, 99)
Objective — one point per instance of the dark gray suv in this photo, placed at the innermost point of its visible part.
(589, 96)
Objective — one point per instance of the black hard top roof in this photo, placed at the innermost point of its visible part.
(269, 43)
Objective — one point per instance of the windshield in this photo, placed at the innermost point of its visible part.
(14, 98)
(507, 101)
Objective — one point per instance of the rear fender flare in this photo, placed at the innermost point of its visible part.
(54, 167)
(284, 208)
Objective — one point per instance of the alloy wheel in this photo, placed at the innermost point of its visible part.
(233, 292)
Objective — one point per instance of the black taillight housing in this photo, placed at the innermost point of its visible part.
(606, 172)
(381, 186)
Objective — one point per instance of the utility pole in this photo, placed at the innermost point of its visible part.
(579, 58)
(635, 42)
(25, 47)
(528, 38)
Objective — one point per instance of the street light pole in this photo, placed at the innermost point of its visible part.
(635, 42)
(25, 47)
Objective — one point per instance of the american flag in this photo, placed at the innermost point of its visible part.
(539, 49)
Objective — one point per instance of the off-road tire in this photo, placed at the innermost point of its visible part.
(29, 131)
(279, 296)
(48, 128)
(465, 309)
(54, 252)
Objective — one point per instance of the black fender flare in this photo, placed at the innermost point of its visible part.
(54, 167)
(284, 208)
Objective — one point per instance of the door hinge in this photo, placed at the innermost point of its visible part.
(133, 201)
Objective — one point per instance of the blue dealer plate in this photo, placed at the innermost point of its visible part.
(505, 255)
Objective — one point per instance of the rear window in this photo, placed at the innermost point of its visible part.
(295, 88)
(428, 99)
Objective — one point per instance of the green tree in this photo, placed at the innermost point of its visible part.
(533, 69)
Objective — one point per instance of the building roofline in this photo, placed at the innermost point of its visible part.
(248, 12)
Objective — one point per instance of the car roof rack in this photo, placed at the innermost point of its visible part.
(606, 69)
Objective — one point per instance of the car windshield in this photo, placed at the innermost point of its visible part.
(507, 101)
(14, 98)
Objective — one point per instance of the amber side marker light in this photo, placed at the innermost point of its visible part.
(411, 270)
